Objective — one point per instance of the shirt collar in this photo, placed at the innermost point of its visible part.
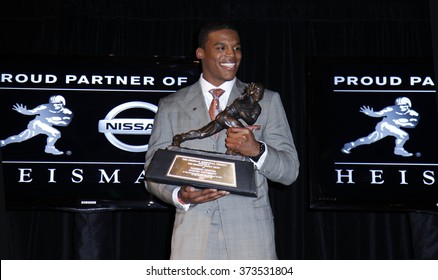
(223, 100)
(206, 86)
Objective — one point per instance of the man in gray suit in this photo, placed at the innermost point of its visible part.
(209, 223)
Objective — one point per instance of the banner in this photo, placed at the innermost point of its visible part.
(372, 134)
(75, 130)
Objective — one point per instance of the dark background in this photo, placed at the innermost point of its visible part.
(277, 37)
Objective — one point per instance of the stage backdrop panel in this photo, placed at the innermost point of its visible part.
(373, 127)
(75, 130)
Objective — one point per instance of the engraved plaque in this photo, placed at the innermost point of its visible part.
(202, 169)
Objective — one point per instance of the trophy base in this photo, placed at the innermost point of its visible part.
(203, 169)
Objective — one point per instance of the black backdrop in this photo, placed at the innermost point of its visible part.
(277, 38)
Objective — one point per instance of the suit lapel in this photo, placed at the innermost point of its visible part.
(194, 105)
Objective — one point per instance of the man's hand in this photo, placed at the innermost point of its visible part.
(241, 140)
(192, 195)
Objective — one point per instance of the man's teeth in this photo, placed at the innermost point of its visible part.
(228, 64)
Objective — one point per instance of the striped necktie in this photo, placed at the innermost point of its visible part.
(214, 105)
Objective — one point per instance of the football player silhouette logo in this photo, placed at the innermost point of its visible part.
(47, 116)
(394, 119)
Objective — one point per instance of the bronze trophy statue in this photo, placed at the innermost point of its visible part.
(203, 169)
(245, 107)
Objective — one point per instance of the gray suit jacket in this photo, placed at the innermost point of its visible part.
(232, 227)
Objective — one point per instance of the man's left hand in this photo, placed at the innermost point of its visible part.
(241, 140)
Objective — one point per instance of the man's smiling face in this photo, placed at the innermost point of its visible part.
(220, 56)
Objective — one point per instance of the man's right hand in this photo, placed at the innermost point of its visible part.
(191, 195)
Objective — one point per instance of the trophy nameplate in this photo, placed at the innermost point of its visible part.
(202, 169)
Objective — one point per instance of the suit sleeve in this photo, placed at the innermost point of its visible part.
(161, 137)
(281, 164)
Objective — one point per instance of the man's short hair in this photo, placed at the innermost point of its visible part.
(212, 27)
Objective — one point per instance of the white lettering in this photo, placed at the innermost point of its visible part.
(70, 78)
(135, 81)
(83, 80)
(109, 79)
(339, 80)
(169, 81)
(182, 80)
(403, 177)
(148, 81)
(103, 175)
(376, 174)
(96, 80)
(367, 80)
(349, 176)
(352, 80)
(415, 80)
(51, 79)
(77, 176)
(25, 78)
(140, 178)
(430, 176)
(52, 176)
(117, 80)
(395, 81)
(6, 78)
(25, 173)
(121, 80)
(427, 81)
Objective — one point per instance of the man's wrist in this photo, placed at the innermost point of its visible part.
(178, 196)
(177, 200)
(261, 152)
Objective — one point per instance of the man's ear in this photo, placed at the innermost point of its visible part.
(200, 53)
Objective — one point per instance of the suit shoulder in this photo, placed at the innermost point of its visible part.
(270, 93)
(271, 99)
(176, 96)
(241, 86)
(270, 96)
